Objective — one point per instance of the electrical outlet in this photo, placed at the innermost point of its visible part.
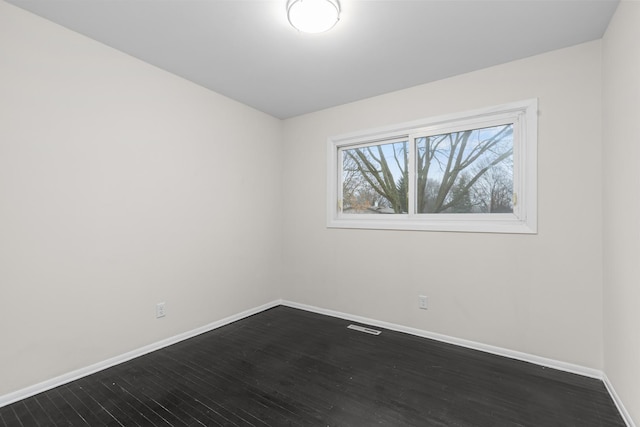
(160, 310)
(422, 302)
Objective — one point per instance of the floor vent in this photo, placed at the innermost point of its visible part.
(363, 329)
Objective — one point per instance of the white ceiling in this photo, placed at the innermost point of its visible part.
(246, 50)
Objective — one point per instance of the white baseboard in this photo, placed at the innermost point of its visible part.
(83, 372)
(512, 354)
(616, 399)
(543, 361)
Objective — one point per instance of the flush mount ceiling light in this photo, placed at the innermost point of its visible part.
(313, 16)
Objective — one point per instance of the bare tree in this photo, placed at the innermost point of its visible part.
(357, 194)
(448, 155)
(449, 167)
(371, 166)
(493, 192)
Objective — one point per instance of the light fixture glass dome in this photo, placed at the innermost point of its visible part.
(313, 16)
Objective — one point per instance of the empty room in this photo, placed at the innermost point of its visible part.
(399, 213)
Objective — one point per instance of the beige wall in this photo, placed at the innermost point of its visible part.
(621, 152)
(540, 294)
(121, 186)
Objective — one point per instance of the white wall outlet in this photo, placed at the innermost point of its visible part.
(160, 310)
(422, 302)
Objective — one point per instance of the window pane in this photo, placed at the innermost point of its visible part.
(465, 172)
(374, 179)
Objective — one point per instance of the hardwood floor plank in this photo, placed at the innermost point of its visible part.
(178, 403)
(206, 394)
(253, 382)
(53, 414)
(11, 417)
(75, 417)
(75, 395)
(287, 367)
(236, 392)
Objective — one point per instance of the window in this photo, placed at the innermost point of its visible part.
(472, 172)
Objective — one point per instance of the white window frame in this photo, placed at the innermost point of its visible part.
(523, 220)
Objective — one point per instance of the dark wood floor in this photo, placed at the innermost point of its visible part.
(286, 367)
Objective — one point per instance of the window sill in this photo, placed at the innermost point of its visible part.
(497, 223)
